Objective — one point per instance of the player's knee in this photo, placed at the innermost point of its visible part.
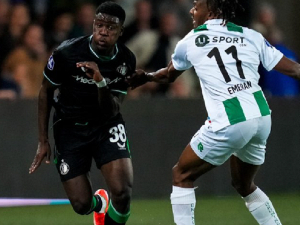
(177, 176)
(243, 188)
(81, 207)
(121, 197)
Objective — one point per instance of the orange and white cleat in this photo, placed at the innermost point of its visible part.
(100, 216)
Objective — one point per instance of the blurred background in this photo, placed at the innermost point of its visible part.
(161, 119)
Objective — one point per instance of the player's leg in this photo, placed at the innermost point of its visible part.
(206, 150)
(80, 194)
(245, 164)
(185, 172)
(256, 200)
(118, 175)
(73, 162)
(112, 156)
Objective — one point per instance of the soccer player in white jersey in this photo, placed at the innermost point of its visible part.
(226, 59)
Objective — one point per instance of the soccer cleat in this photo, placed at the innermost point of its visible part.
(100, 216)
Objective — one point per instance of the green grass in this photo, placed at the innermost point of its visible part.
(229, 210)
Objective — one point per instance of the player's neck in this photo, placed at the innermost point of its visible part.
(105, 54)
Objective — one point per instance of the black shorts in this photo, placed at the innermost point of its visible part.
(77, 144)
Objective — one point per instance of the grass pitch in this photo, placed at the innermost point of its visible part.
(229, 210)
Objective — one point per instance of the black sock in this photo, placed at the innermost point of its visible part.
(96, 204)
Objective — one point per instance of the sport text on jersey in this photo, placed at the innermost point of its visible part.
(203, 40)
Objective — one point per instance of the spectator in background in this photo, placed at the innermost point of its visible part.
(153, 49)
(144, 20)
(273, 82)
(180, 7)
(25, 64)
(60, 29)
(129, 8)
(84, 18)
(8, 89)
(4, 12)
(19, 18)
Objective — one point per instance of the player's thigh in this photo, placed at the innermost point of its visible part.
(118, 175)
(72, 151)
(79, 190)
(111, 145)
(189, 167)
(216, 147)
(254, 151)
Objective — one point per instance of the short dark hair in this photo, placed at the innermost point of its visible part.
(112, 9)
(225, 8)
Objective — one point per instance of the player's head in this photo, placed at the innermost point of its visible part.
(204, 10)
(111, 11)
(108, 24)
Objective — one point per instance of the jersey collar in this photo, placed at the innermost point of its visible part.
(101, 57)
(214, 21)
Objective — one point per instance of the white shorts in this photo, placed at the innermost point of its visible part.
(246, 140)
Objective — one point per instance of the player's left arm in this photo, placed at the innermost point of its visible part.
(288, 67)
(109, 103)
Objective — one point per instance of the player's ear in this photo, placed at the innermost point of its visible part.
(122, 30)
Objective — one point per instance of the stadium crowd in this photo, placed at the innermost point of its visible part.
(31, 29)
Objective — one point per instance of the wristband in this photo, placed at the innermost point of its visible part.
(101, 84)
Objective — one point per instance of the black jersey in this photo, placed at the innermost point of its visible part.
(78, 95)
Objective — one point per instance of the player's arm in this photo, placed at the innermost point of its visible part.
(288, 67)
(44, 108)
(110, 104)
(163, 76)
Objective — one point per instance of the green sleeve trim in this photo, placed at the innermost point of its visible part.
(122, 92)
(262, 103)
(200, 28)
(233, 27)
(234, 111)
(116, 216)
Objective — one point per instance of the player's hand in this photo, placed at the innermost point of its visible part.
(137, 79)
(91, 70)
(43, 151)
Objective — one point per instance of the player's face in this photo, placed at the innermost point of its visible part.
(200, 12)
(106, 33)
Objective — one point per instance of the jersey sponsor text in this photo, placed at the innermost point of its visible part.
(222, 39)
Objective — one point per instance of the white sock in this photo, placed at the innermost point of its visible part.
(261, 208)
(183, 202)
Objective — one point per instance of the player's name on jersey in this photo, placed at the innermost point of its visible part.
(222, 39)
(239, 87)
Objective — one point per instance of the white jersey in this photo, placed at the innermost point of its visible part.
(226, 60)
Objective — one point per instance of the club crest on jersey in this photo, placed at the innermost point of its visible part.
(50, 64)
(202, 40)
(122, 69)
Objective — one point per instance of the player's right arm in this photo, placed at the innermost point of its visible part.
(44, 107)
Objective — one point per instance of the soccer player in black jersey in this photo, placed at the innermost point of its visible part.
(89, 73)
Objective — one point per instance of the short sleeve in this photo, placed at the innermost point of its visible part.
(269, 55)
(53, 71)
(179, 58)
